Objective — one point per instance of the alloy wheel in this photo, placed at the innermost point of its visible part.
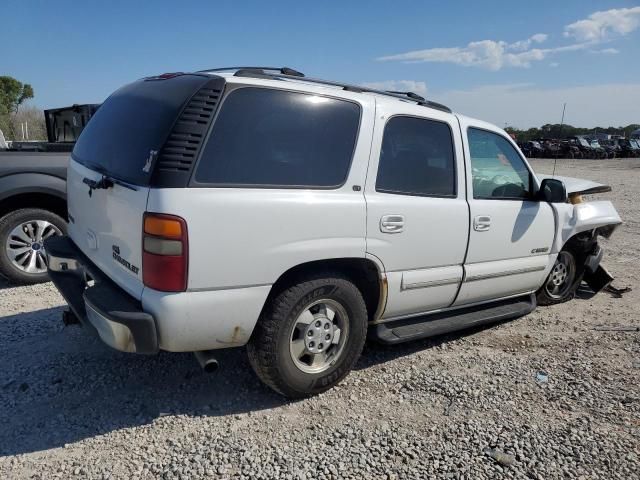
(25, 245)
(562, 276)
(318, 336)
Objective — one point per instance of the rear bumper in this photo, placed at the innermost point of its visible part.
(115, 316)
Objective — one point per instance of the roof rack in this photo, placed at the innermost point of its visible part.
(258, 70)
(285, 73)
(411, 95)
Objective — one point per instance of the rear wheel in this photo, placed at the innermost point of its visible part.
(22, 235)
(309, 337)
(563, 280)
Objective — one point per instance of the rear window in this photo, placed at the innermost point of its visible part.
(274, 138)
(131, 124)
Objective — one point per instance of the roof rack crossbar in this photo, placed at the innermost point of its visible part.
(411, 95)
(282, 70)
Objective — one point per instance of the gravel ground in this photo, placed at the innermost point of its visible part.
(473, 405)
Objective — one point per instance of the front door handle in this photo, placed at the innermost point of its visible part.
(392, 223)
(482, 223)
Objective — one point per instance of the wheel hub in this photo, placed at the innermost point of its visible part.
(319, 335)
(562, 276)
(559, 274)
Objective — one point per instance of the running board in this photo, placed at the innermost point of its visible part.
(398, 331)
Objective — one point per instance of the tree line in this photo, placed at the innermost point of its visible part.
(13, 113)
(558, 131)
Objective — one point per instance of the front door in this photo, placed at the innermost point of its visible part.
(417, 214)
(511, 232)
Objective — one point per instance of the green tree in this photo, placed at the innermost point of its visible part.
(12, 94)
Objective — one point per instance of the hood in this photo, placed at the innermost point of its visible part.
(579, 186)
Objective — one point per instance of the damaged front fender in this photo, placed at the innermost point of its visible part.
(600, 217)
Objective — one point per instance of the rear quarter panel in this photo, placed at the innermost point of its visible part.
(242, 237)
(249, 237)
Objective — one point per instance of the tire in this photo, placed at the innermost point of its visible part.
(304, 310)
(552, 293)
(17, 249)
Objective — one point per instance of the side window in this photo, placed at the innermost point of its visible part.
(417, 158)
(274, 138)
(498, 170)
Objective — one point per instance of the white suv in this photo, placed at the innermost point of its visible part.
(259, 207)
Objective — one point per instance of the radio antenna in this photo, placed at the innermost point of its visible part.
(555, 161)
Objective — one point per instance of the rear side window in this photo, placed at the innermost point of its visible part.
(274, 138)
(417, 158)
(131, 124)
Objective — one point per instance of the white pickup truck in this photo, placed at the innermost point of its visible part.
(259, 207)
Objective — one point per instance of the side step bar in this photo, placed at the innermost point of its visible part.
(398, 331)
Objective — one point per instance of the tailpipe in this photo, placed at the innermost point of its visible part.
(206, 360)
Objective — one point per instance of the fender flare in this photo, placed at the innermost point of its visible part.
(21, 183)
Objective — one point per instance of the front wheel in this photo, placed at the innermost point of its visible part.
(22, 234)
(309, 336)
(563, 280)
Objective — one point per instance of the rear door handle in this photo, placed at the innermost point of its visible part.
(482, 223)
(392, 223)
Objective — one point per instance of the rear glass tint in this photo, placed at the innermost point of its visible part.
(274, 138)
(134, 121)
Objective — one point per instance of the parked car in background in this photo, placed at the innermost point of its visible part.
(33, 203)
(532, 149)
(599, 151)
(626, 147)
(610, 147)
(295, 216)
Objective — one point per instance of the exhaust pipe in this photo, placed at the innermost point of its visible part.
(206, 360)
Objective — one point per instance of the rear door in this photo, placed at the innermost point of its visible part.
(120, 146)
(511, 232)
(417, 214)
(106, 224)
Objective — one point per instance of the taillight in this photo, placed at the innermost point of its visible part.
(165, 252)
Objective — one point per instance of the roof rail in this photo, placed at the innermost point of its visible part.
(285, 73)
(357, 88)
(411, 95)
(258, 70)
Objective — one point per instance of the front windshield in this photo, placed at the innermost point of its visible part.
(634, 143)
(583, 142)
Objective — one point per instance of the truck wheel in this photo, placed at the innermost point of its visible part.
(309, 336)
(22, 232)
(563, 280)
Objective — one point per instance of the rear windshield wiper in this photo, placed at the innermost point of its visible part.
(105, 182)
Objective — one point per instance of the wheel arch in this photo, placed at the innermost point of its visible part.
(33, 190)
(367, 274)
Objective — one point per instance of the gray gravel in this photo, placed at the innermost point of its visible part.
(468, 406)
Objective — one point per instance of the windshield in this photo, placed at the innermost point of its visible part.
(583, 142)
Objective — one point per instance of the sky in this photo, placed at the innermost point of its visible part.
(510, 63)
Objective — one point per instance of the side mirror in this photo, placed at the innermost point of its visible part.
(552, 190)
